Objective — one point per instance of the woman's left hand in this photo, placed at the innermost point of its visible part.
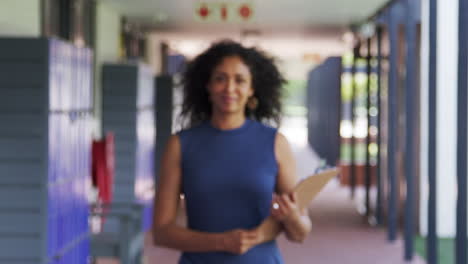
(285, 208)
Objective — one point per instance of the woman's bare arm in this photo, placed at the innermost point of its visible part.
(296, 222)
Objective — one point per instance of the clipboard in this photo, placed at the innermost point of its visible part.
(306, 190)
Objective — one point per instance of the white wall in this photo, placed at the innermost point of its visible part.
(107, 50)
(424, 104)
(153, 51)
(20, 18)
(447, 67)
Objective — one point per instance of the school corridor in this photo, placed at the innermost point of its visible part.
(90, 91)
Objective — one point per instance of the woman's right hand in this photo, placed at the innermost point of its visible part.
(239, 241)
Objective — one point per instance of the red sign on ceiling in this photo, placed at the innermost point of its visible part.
(245, 11)
(204, 11)
(215, 11)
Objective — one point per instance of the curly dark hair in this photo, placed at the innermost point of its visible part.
(267, 82)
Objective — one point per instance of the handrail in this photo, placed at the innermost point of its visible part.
(72, 244)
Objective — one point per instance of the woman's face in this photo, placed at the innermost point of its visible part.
(230, 86)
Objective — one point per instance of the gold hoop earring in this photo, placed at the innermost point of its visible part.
(252, 103)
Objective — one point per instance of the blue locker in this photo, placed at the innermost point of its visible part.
(47, 112)
(128, 107)
(323, 102)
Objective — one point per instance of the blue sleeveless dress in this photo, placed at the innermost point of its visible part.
(228, 178)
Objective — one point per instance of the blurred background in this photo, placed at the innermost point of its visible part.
(90, 91)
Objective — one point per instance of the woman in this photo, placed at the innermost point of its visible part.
(230, 167)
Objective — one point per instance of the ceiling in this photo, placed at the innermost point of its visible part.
(288, 29)
(277, 15)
